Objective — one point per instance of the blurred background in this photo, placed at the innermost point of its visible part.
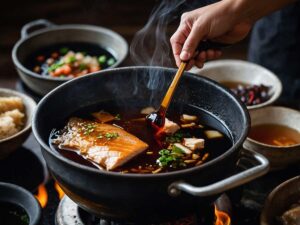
(124, 17)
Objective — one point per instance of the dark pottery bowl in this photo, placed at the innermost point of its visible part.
(15, 195)
(279, 200)
(146, 197)
(56, 34)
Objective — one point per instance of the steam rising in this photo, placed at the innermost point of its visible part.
(151, 46)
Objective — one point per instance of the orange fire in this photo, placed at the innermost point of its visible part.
(42, 195)
(222, 218)
(60, 192)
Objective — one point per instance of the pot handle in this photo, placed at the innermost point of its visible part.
(40, 22)
(231, 182)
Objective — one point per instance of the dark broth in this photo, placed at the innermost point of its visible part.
(11, 214)
(86, 48)
(274, 134)
(140, 129)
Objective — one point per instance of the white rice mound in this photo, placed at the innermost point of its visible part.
(11, 116)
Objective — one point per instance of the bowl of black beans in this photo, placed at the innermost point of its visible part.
(253, 84)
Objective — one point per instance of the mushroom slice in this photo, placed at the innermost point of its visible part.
(188, 118)
(213, 134)
(188, 125)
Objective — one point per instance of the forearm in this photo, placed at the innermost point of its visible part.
(252, 10)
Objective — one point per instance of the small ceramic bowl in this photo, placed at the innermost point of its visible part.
(10, 144)
(15, 195)
(279, 157)
(242, 72)
(280, 200)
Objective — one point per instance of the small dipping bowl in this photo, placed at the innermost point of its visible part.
(11, 143)
(18, 196)
(239, 71)
(279, 157)
(280, 200)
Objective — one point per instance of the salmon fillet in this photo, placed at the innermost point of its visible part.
(104, 144)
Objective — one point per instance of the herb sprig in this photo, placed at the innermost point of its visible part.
(177, 137)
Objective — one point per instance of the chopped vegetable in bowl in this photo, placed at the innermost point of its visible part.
(70, 60)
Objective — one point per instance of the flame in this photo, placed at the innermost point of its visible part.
(222, 218)
(60, 192)
(42, 195)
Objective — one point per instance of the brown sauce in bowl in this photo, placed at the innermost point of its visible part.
(274, 134)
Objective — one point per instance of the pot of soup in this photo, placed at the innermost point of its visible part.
(99, 148)
(48, 54)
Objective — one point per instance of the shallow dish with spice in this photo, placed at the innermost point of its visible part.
(255, 85)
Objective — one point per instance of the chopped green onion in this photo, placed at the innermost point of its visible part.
(63, 50)
(172, 158)
(102, 59)
(71, 59)
(56, 65)
(89, 128)
(177, 137)
(82, 66)
(111, 135)
(111, 61)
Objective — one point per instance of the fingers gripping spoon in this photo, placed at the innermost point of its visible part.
(157, 119)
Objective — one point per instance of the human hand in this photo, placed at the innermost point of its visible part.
(217, 22)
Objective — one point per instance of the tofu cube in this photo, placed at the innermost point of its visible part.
(170, 127)
(193, 143)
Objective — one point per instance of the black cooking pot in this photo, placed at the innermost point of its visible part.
(146, 196)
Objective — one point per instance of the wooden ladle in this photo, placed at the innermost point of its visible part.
(157, 119)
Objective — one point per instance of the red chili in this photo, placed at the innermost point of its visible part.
(251, 96)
